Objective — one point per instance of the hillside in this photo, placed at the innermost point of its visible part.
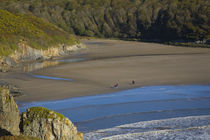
(164, 20)
(38, 33)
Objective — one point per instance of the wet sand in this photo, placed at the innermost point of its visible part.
(112, 61)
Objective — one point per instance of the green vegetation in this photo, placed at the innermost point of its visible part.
(189, 44)
(41, 112)
(163, 20)
(17, 138)
(8, 99)
(148, 20)
(36, 32)
(3, 89)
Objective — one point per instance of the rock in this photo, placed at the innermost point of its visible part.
(36, 122)
(13, 89)
(79, 136)
(9, 114)
(26, 53)
(48, 125)
(4, 67)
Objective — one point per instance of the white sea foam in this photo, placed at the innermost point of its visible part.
(193, 127)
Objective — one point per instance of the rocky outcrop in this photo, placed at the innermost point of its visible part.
(9, 114)
(37, 122)
(13, 89)
(25, 53)
(48, 125)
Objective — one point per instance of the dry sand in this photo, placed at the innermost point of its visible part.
(113, 61)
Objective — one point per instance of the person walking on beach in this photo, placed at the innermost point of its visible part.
(133, 82)
(116, 85)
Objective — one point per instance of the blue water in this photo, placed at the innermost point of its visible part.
(38, 65)
(140, 104)
(50, 78)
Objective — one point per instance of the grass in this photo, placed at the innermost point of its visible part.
(17, 138)
(41, 112)
(37, 32)
(2, 89)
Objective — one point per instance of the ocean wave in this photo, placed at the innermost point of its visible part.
(116, 120)
(175, 128)
(143, 113)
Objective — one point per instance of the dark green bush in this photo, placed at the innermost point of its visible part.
(164, 20)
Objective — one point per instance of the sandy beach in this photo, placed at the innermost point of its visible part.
(112, 61)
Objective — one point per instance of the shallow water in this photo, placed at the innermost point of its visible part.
(28, 67)
(147, 103)
(39, 65)
(50, 77)
(71, 60)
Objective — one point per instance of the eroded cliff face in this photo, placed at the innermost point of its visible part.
(9, 114)
(25, 53)
(48, 125)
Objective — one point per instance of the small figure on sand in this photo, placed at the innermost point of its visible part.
(133, 82)
(115, 85)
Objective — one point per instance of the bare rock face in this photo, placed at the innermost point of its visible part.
(13, 89)
(25, 53)
(48, 125)
(4, 67)
(9, 114)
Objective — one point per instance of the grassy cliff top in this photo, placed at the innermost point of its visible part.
(41, 112)
(37, 32)
(3, 89)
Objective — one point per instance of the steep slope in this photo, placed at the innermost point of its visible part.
(37, 33)
(141, 19)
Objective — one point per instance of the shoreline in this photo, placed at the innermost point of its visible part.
(91, 113)
(115, 61)
(90, 94)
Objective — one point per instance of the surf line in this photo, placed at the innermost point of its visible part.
(50, 77)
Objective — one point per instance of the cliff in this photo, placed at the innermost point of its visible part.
(47, 125)
(36, 123)
(9, 114)
(24, 37)
(14, 90)
(25, 53)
